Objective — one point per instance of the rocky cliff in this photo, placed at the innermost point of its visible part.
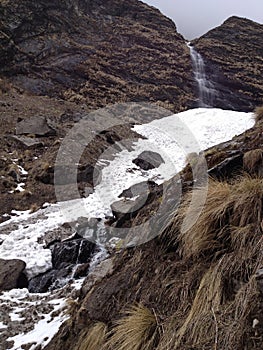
(233, 53)
(94, 52)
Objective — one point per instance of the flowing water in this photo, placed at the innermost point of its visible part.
(206, 89)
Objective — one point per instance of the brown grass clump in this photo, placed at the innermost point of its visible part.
(258, 114)
(224, 300)
(253, 162)
(227, 237)
(137, 330)
(94, 338)
(238, 204)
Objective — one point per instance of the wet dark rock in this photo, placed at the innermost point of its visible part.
(12, 274)
(66, 256)
(89, 174)
(64, 175)
(76, 251)
(148, 160)
(50, 280)
(38, 126)
(138, 189)
(227, 168)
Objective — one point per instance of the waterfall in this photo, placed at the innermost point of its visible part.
(206, 89)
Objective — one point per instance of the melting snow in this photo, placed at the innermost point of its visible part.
(173, 137)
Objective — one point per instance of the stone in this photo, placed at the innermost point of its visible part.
(38, 126)
(125, 209)
(103, 269)
(148, 160)
(27, 142)
(12, 274)
(138, 189)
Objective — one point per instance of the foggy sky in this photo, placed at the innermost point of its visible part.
(195, 17)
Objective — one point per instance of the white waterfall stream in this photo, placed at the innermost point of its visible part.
(206, 89)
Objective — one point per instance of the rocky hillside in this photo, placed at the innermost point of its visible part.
(61, 59)
(185, 290)
(94, 52)
(233, 53)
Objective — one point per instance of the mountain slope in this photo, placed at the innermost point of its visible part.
(94, 52)
(233, 53)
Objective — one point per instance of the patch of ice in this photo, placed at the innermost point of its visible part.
(44, 330)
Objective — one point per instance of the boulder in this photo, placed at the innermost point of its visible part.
(38, 126)
(148, 160)
(50, 280)
(75, 251)
(12, 274)
(126, 209)
(70, 259)
(138, 189)
(65, 175)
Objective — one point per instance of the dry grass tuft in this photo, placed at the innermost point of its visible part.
(222, 304)
(238, 204)
(94, 338)
(227, 238)
(137, 330)
(253, 162)
(258, 114)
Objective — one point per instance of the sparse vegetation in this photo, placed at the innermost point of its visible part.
(228, 236)
(94, 338)
(137, 330)
(253, 162)
(226, 205)
(258, 114)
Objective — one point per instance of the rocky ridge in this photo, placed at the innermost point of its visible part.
(95, 52)
(233, 54)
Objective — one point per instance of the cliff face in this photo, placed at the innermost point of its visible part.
(233, 54)
(95, 52)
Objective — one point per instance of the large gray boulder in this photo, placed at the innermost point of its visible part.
(12, 274)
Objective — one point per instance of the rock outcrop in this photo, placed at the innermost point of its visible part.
(233, 53)
(95, 52)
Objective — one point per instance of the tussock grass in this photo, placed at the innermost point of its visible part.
(221, 307)
(227, 237)
(137, 330)
(258, 114)
(253, 162)
(238, 204)
(94, 338)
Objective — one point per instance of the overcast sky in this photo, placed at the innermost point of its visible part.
(195, 17)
